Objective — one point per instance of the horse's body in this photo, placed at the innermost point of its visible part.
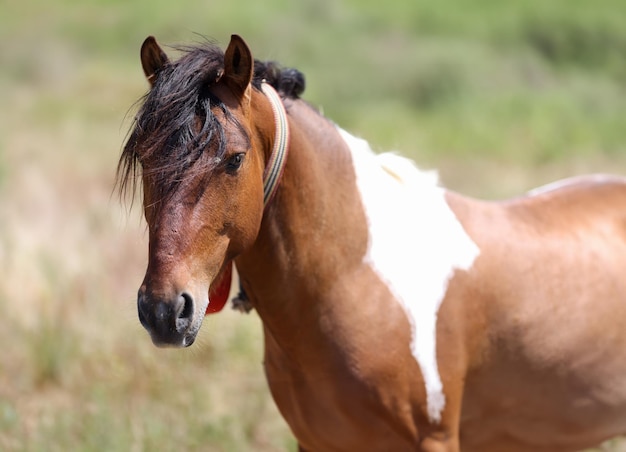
(397, 315)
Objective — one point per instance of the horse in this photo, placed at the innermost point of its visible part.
(397, 315)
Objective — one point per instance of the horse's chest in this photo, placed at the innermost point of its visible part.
(337, 413)
(332, 404)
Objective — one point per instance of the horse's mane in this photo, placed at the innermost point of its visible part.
(175, 123)
(287, 81)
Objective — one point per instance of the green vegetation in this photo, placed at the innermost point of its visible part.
(501, 96)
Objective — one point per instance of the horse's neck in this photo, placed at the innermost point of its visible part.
(313, 231)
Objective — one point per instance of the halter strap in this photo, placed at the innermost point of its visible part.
(276, 164)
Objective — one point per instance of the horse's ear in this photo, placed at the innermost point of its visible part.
(238, 66)
(153, 58)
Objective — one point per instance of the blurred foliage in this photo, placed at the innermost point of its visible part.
(484, 69)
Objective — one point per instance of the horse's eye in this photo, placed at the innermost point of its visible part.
(234, 162)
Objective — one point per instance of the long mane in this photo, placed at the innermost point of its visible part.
(175, 128)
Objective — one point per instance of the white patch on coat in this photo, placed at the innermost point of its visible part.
(415, 245)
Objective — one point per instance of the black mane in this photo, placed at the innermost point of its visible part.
(287, 81)
(175, 124)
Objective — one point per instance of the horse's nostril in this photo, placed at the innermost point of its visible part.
(185, 314)
(187, 311)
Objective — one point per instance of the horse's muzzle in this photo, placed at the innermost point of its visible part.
(169, 322)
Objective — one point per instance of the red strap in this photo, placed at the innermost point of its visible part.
(218, 294)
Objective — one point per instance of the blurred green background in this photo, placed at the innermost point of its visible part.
(499, 96)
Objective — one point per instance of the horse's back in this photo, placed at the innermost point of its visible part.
(590, 200)
(550, 281)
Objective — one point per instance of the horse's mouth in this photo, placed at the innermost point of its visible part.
(181, 339)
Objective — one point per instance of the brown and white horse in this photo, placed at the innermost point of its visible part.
(397, 315)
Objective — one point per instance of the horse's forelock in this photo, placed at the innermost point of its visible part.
(175, 123)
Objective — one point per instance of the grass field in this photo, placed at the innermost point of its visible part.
(500, 97)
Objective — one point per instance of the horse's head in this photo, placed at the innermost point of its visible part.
(201, 162)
